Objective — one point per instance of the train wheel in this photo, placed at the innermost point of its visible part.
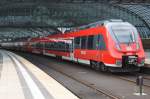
(103, 67)
(97, 66)
(92, 64)
(59, 57)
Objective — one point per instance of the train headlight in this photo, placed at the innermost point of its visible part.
(141, 61)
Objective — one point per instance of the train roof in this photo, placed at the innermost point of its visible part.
(95, 24)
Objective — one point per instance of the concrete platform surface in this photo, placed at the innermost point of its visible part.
(20, 79)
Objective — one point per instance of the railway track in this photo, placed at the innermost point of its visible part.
(109, 94)
(132, 78)
(147, 78)
(92, 86)
(105, 92)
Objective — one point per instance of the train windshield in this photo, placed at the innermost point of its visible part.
(124, 34)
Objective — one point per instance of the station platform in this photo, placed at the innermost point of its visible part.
(20, 79)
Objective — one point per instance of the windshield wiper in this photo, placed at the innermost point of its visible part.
(118, 42)
(130, 40)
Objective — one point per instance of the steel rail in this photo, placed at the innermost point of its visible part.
(102, 91)
(133, 81)
(88, 84)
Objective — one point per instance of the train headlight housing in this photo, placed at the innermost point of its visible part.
(141, 62)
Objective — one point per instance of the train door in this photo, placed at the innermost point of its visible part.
(77, 47)
(43, 47)
(72, 48)
(81, 51)
(69, 49)
(89, 48)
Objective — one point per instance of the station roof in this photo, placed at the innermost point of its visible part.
(72, 1)
(34, 18)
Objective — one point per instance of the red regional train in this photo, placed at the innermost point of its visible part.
(111, 45)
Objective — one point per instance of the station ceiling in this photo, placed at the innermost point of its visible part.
(34, 18)
(74, 1)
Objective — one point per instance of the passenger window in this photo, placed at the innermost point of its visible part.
(47, 45)
(83, 42)
(102, 45)
(90, 42)
(33, 45)
(95, 42)
(77, 42)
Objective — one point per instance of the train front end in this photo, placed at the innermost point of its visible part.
(125, 47)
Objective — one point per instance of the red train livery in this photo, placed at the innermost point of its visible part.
(111, 45)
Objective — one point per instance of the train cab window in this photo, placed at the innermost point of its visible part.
(77, 42)
(83, 42)
(90, 42)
